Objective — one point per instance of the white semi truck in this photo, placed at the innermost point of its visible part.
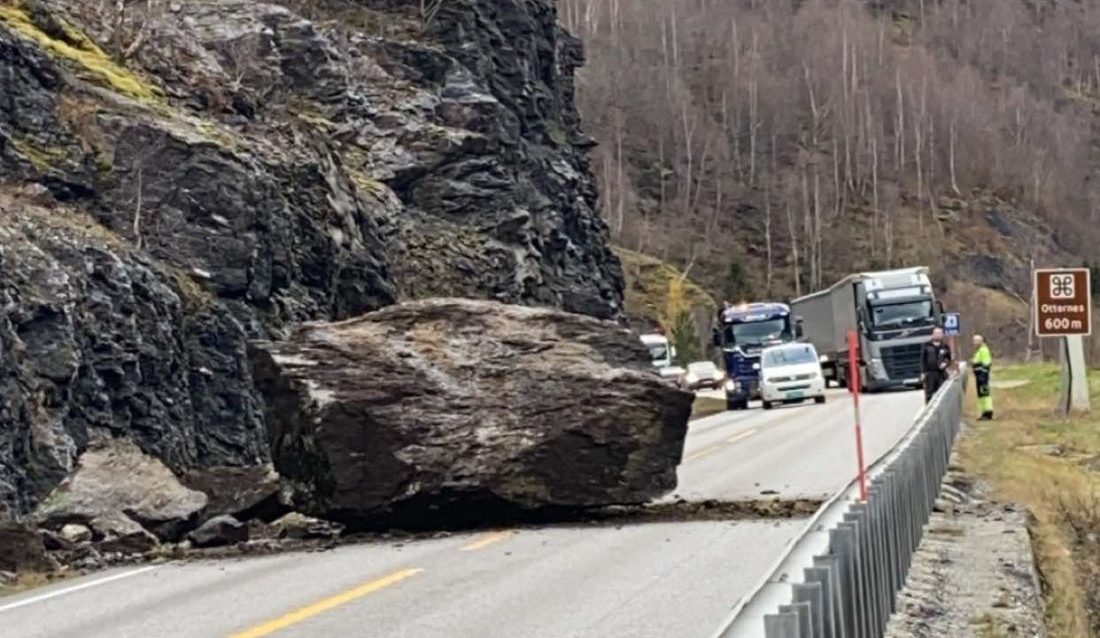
(893, 312)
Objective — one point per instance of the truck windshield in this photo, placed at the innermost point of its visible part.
(897, 314)
(789, 356)
(658, 352)
(757, 332)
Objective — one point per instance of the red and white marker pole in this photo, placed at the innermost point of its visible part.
(853, 376)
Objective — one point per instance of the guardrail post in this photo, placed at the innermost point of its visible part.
(823, 576)
(841, 547)
(781, 625)
(802, 612)
(810, 594)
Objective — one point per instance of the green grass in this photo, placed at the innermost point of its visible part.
(651, 285)
(707, 406)
(78, 49)
(1032, 456)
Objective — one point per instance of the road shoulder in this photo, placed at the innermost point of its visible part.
(974, 574)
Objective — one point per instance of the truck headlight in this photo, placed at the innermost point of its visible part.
(756, 366)
(823, 358)
(878, 371)
(730, 385)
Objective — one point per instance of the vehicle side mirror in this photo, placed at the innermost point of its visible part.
(939, 306)
(672, 351)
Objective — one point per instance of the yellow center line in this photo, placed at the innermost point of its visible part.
(326, 604)
(487, 540)
(737, 437)
(710, 449)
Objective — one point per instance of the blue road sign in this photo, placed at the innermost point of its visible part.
(952, 324)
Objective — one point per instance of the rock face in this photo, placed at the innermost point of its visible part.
(188, 176)
(470, 401)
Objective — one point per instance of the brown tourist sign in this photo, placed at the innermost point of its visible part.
(1063, 302)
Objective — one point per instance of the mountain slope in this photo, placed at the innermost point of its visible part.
(791, 142)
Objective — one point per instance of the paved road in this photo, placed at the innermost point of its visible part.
(644, 581)
(795, 451)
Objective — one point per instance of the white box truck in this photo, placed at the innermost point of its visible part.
(892, 311)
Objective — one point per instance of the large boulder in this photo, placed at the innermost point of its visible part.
(453, 400)
(114, 481)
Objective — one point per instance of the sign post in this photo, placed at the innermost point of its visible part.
(853, 379)
(1063, 308)
(952, 328)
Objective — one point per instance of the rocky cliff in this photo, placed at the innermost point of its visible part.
(179, 178)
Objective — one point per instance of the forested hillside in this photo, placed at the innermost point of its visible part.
(771, 146)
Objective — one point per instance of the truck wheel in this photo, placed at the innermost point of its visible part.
(768, 405)
(819, 400)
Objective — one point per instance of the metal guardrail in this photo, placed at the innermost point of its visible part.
(840, 577)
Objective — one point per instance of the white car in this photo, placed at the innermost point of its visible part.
(700, 375)
(790, 373)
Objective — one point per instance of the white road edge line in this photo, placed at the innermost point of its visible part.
(75, 588)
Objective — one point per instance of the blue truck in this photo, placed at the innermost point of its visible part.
(742, 333)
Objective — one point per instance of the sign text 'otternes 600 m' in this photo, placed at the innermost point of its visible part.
(1063, 304)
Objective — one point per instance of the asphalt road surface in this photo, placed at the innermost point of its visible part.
(642, 580)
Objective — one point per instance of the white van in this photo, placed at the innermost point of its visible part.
(790, 373)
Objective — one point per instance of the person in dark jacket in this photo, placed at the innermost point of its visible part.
(935, 358)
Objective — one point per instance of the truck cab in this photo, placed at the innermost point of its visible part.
(744, 331)
(896, 314)
(893, 313)
(662, 355)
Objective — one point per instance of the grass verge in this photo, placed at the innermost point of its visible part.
(706, 406)
(1051, 465)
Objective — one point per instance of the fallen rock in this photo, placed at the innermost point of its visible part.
(297, 526)
(22, 549)
(115, 480)
(261, 530)
(76, 534)
(218, 531)
(465, 404)
(118, 534)
(233, 490)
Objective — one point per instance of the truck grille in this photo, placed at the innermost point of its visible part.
(902, 362)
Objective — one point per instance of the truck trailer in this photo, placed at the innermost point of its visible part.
(893, 312)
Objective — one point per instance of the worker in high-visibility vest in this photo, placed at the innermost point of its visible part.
(982, 363)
